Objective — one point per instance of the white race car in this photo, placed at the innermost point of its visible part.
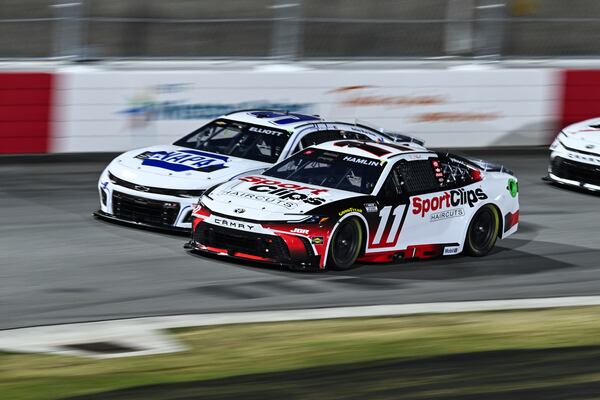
(332, 204)
(158, 186)
(575, 156)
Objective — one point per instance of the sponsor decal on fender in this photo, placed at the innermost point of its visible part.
(450, 250)
(300, 230)
(371, 207)
(451, 198)
(452, 213)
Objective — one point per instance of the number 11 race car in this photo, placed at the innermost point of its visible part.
(332, 204)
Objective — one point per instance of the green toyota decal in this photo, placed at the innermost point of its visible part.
(513, 187)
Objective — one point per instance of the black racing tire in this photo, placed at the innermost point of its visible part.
(483, 231)
(345, 245)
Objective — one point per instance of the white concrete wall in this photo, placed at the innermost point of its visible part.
(119, 110)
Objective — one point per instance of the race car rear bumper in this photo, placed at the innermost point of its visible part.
(264, 248)
(574, 173)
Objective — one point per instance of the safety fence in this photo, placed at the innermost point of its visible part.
(87, 30)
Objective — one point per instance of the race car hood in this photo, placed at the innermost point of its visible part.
(175, 167)
(584, 136)
(264, 198)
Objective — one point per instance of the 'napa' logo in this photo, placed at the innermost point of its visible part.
(184, 160)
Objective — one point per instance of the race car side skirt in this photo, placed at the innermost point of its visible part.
(421, 252)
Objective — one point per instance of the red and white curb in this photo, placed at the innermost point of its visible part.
(147, 335)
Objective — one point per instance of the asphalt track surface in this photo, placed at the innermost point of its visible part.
(58, 264)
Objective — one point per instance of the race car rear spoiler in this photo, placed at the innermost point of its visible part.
(488, 166)
(402, 138)
(393, 136)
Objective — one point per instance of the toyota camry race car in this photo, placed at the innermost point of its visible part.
(157, 186)
(332, 204)
(575, 156)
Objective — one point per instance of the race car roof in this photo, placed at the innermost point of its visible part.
(273, 118)
(382, 151)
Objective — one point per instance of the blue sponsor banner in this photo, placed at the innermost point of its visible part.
(184, 160)
(171, 110)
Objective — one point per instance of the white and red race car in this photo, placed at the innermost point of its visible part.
(337, 202)
(157, 186)
(575, 156)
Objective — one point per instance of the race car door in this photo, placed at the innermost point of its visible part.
(442, 192)
(387, 215)
(417, 220)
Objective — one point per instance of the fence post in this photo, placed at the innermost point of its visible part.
(67, 30)
(491, 15)
(286, 29)
(458, 39)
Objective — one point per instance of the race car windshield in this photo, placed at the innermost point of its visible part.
(330, 169)
(238, 139)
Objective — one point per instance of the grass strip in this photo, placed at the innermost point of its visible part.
(447, 353)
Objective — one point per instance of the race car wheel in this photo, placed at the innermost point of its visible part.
(344, 246)
(483, 231)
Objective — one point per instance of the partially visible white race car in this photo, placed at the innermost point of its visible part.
(158, 186)
(575, 156)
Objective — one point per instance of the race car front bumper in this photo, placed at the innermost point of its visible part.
(574, 173)
(290, 251)
(103, 215)
(125, 204)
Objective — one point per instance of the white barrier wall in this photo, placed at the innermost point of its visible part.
(119, 110)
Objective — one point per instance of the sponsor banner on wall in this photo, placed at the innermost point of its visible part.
(119, 110)
(25, 112)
